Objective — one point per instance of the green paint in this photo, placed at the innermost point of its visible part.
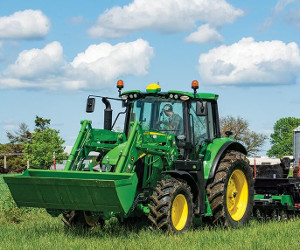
(210, 151)
(208, 96)
(74, 190)
(208, 209)
(285, 200)
(131, 92)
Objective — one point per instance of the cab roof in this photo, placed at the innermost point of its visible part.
(209, 96)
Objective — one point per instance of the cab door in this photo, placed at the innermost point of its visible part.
(202, 128)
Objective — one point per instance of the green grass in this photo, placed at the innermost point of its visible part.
(35, 229)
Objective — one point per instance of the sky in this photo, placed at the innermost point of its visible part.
(53, 54)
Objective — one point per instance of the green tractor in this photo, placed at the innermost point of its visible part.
(169, 163)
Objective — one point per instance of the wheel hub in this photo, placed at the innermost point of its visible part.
(237, 195)
(179, 213)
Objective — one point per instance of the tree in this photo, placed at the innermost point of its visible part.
(282, 137)
(40, 150)
(240, 132)
(45, 141)
(38, 147)
(22, 135)
(41, 123)
(17, 139)
(13, 163)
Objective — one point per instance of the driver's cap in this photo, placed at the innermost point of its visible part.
(168, 107)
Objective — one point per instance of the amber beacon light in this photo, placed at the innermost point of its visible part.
(195, 86)
(120, 85)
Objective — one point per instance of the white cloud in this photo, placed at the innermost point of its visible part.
(275, 13)
(293, 17)
(163, 16)
(30, 63)
(251, 62)
(94, 68)
(280, 5)
(107, 62)
(25, 24)
(205, 34)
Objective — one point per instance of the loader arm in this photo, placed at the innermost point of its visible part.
(140, 143)
(89, 139)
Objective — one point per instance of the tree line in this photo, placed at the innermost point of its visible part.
(37, 146)
(281, 139)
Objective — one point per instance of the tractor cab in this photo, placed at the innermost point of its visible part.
(191, 117)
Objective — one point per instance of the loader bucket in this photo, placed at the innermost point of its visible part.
(74, 190)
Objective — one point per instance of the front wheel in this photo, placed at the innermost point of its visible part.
(231, 191)
(171, 205)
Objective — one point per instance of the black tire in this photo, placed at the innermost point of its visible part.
(83, 219)
(232, 207)
(171, 206)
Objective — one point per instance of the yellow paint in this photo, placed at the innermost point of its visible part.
(142, 155)
(153, 86)
(237, 195)
(179, 212)
(153, 133)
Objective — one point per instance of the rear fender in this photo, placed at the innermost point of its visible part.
(230, 145)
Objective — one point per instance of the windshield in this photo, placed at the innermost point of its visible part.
(159, 114)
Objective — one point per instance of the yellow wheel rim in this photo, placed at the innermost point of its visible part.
(237, 195)
(179, 212)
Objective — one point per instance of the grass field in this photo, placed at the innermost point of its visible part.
(35, 229)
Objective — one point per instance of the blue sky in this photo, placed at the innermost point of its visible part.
(54, 53)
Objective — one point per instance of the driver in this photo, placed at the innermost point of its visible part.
(175, 122)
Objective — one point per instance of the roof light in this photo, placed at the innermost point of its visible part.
(120, 84)
(195, 84)
(184, 97)
(153, 88)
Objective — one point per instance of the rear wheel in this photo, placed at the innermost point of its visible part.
(171, 206)
(231, 191)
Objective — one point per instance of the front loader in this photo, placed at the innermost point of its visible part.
(169, 163)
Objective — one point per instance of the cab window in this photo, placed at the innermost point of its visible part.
(202, 127)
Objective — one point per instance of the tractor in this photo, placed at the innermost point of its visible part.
(169, 163)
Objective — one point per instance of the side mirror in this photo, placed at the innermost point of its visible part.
(90, 105)
(201, 108)
(228, 133)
